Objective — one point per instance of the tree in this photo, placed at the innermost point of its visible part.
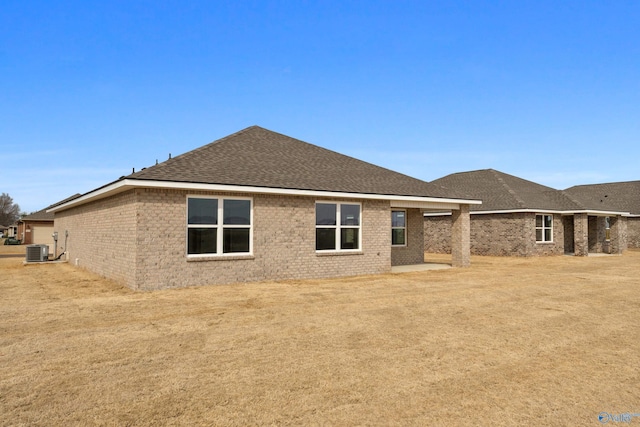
(9, 211)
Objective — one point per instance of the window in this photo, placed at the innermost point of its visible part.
(217, 226)
(337, 226)
(398, 228)
(544, 228)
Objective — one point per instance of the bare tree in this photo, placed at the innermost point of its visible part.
(9, 211)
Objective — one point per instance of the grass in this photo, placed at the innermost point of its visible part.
(509, 341)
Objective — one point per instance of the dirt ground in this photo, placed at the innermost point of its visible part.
(509, 341)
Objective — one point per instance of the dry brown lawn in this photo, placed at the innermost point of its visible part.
(509, 341)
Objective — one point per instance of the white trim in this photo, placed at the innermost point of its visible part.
(543, 228)
(537, 211)
(424, 205)
(126, 184)
(597, 213)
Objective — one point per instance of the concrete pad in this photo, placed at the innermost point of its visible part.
(419, 267)
(602, 254)
(592, 254)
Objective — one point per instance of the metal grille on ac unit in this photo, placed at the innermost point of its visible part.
(37, 253)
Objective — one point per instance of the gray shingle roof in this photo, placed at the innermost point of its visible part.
(616, 196)
(261, 158)
(41, 215)
(501, 191)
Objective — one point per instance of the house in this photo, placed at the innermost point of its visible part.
(522, 218)
(37, 227)
(255, 205)
(9, 230)
(619, 196)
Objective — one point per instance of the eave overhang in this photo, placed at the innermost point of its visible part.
(541, 211)
(129, 184)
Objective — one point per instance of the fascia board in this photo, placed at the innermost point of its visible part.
(538, 211)
(127, 184)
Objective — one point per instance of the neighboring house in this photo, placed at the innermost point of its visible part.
(37, 228)
(255, 205)
(9, 230)
(523, 218)
(620, 196)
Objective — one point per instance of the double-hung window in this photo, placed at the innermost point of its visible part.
(337, 226)
(218, 226)
(399, 228)
(544, 228)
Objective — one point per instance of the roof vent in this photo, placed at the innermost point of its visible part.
(37, 253)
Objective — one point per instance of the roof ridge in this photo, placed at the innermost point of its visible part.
(570, 197)
(498, 176)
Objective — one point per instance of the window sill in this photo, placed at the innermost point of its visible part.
(339, 253)
(545, 243)
(220, 258)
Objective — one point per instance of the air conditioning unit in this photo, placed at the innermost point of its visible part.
(37, 253)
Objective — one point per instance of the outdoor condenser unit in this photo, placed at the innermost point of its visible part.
(37, 253)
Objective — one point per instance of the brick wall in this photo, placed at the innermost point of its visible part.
(619, 235)
(149, 248)
(461, 237)
(511, 234)
(633, 233)
(596, 234)
(102, 236)
(437, 234)
(553, 248)
(413, 252)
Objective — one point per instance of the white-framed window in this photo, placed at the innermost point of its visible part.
(544, 228)
(398, 228)
(338, 226)
(219, 226)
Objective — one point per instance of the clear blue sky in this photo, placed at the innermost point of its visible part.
(545, 90)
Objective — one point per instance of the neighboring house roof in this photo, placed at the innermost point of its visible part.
(620, 196)
(503, 192)
(259, 160)
(43, 215)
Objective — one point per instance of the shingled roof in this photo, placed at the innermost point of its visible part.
(258, 157)
(500, 191)
(43, 215)
(619, 196)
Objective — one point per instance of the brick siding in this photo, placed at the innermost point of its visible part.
(413, 252)
(138, 238)
(511, 234)
(437, 234)
(633, 232)
(102, 236)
